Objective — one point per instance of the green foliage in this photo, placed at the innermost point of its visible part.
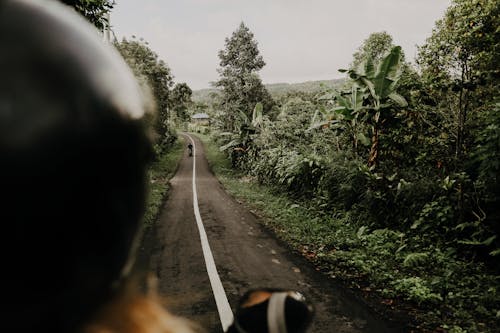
(180, 101)
(241, 87)
(241, 52)
(374, 47)
(95, 11)
(240, 143)
(460, 65)
(415, 289)
(487, 152)
(445, 290)
(381, 80)
(467, 35)
(279, 90)
(486, 162)
(152, 73)
(372, 98)
(417, 259)
(343, 112)
(399, 173)
(198, 128)
(294, 171)
(344, 182)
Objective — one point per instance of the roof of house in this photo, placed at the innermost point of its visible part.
(201, 116)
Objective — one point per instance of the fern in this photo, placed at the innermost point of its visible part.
(415, 259)
(495, 253)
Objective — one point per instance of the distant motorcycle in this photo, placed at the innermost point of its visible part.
(272, 311)
(190, 148)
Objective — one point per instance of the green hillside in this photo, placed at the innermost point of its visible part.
(277, 89)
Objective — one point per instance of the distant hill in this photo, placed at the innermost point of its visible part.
(203, 95)
(278, 89)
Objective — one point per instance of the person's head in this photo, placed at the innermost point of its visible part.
(73, 152)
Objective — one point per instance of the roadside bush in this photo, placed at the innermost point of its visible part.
(300, 174)
(343, 183)
(294, 172)
(197, 128)
(263, 166)
(163, 144)
(415, 289)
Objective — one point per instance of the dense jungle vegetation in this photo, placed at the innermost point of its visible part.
(406, 156)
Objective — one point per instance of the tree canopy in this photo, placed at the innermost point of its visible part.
(180, 100)
(241, 86)
(95, 11)
(374, 47)
(153, 73)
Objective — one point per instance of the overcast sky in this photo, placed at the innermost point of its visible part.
(300, 40)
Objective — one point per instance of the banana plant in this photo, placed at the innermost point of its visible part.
(345, 115)
(248, 128)
(380, 82)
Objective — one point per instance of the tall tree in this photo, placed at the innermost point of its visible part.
(180, 100)
(153, 72)
(380, 83)
(374, 47)
(461, 56)
(460, 64)
(95, 11)
(241, 86)
(373, 97)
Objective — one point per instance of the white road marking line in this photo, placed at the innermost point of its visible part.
(225, 312)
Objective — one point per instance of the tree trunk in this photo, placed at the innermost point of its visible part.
(373, 159)
(354, 139)
(462, 116)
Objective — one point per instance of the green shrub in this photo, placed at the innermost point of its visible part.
(416, 289)
(343, 183)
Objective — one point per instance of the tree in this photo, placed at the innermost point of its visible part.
(374, 47)
(341, 114)
(377, 46)
(154, 73)
(460, 63)
(241, 87)
(380, 83)
(95, 11)
(180, 100)
(372, 98)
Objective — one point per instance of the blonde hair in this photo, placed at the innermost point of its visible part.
(134, 312)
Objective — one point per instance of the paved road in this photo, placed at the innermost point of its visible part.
(246, 256)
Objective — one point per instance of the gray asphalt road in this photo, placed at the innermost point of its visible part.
(246, 255)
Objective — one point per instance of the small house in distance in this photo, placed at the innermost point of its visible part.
(200, 119)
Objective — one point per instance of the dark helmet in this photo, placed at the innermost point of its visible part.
(73, 154)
